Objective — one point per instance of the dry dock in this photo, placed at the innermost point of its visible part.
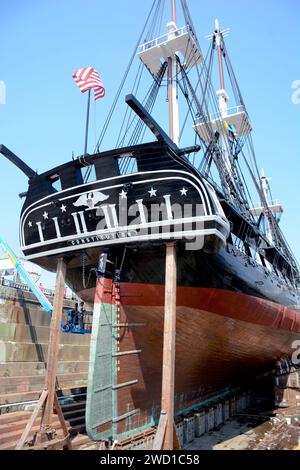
(24, 338)
(242, 420)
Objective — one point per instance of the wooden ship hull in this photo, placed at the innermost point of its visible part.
(237, 280)
(222, 341)
(224, 337)
(235, 315)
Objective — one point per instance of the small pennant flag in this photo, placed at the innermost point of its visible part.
(231, 131)
(88, 78)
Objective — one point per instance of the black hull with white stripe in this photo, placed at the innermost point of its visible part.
(157, 202)
(164, 198)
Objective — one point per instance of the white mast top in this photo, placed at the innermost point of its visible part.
(217, 31)
(157, 50)
(236, 117)
(176, 42)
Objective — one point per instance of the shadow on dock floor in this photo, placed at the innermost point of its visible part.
(254, 430)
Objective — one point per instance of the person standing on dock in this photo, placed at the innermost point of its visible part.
(81, 313)
(74, 315)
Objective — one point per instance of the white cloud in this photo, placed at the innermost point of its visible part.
(296, 94)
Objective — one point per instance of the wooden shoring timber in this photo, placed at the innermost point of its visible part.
(62, 422)
(166, 436)
(32, 419)
(161, 431)
(50, 378)
(53, 444)
(48, 399)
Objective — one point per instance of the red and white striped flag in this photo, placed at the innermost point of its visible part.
(88, 79)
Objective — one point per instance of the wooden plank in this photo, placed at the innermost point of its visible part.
(97, 425)
(176, 443)
(32, 419)
(101, 389)
(126, 415)
(54, 444)
(127, 353)
(9, 418)
(168, 372)
(50, 379)
(160, 432)
(62, 421)
(125, 384)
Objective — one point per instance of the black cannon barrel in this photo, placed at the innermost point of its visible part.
(17, 161)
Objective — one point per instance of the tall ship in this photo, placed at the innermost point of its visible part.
(194, 182)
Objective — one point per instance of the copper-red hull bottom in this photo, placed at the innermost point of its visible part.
(223, 339)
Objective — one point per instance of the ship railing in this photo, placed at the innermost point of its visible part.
(212, 182)
(24, 287)
(19, 285)
(217, 116)
(14, 285)
(274, 202)
(161, 39)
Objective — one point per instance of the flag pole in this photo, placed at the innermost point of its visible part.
(87, 123)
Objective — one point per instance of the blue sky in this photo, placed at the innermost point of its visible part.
(42, 43)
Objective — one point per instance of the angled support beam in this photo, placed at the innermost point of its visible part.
(48, 399)
(32, 419)
(62, 422)
(50, 379)
(161, 431)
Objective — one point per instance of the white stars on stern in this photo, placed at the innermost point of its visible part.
(152, 192)
(183, 191)
(123, 194)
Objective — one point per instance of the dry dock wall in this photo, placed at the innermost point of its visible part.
(24, 336)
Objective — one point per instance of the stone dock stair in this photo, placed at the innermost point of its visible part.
(13, 424)
(24, 336)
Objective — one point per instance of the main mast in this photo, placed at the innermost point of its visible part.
(168, 369)
(177, 44)
(223, 97)
(231, 125)
(172, 74)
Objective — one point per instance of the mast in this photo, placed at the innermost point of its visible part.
(218, 42)
(265, 190)
(221, 94)
(268, 205)
(222, 97)
(172, 91)
(174, 10)
(87, 123)
(169, 339)
(177, 42)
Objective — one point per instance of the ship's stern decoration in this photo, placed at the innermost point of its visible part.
(136, 208)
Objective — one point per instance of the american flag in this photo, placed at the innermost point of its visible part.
(88, 78)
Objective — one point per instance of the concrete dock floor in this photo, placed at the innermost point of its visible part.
(246, 432)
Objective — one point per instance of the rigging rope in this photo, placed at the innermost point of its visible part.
(112, 109)
(140, 126)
